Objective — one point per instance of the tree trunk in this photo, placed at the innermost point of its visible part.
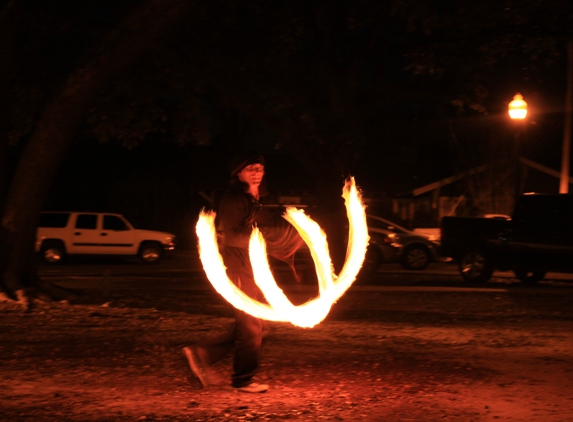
(55, 131)
(9, 14)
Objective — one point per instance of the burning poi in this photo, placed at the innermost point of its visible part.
(279, 307)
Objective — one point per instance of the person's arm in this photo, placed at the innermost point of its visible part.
(236, 220)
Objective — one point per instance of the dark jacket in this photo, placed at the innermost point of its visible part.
(238, 213)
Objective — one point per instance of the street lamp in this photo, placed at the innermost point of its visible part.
(518, 107)
(517, 111)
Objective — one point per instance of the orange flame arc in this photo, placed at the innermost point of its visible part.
(279, 307)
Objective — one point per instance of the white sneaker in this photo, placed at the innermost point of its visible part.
(253, 387)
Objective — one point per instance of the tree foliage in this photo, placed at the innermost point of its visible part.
(480, 51)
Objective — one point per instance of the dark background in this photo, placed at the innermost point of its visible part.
(399, 95)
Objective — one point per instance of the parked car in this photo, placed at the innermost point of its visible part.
(415, 250)
(382, 248)
(389, 243)
(536, 239)
(87, 233)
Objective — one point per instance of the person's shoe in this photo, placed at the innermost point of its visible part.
(197, 363)
(253, 387)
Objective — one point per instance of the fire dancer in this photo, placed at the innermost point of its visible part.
(240, 209)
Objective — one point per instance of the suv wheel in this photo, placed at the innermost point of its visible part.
(151, 253)
(476, 266)
(53, 252)
(415, 257)
(530, 277)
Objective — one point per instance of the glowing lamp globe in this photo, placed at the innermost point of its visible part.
(518, 107)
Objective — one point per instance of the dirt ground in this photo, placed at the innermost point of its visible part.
(382, 355)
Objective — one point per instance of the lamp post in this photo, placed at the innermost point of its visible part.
(564, 181)
(517, 110)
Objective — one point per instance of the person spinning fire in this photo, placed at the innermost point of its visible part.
(239, 211)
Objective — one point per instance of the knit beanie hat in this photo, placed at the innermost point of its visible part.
(239, 162)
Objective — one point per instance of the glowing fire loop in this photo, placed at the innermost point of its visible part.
(279, 307)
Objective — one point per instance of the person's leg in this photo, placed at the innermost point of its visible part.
(248, 336)
(207, 352)
(217, 345)
(248, 340)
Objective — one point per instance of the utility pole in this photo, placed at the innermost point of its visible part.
(566, 154)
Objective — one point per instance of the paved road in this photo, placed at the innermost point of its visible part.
(185, 270)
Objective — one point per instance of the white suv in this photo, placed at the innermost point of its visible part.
(87, 233)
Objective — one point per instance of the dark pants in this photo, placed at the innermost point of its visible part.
(245, 335)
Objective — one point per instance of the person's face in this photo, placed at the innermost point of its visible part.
(252, 174)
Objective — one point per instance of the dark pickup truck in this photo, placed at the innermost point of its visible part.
(537, 239)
